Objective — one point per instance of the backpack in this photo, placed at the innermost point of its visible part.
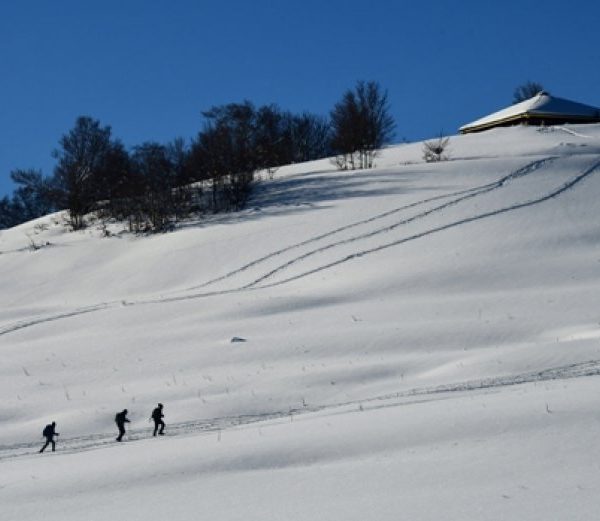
(47, 431)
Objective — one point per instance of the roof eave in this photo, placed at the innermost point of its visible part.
(525, 116)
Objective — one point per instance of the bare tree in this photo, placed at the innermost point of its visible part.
(436, 150)
(33, 196)
(155, 172)
(8, 213)
(226, 153)
(526, 91)
(310, 137)
(81, 160)
(360, 125)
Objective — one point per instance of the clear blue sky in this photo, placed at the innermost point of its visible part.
(148, 68)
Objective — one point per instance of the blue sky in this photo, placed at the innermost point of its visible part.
(149, 68)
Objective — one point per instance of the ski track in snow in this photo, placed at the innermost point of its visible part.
(217, 425)
(551, 195)
(458, 197)
(531, 167)
(461, 196)
(255, 284)
(22, 324)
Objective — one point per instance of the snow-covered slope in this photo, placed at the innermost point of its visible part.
(419, 340)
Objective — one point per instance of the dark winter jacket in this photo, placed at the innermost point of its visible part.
(121, 418)
(49, 431)
(157, 414)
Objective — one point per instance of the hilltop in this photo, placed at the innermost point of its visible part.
(418, 339)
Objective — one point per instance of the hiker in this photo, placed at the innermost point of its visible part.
(157, 416)
(49, 432)
(121, 420)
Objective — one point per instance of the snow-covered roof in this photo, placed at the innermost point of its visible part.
(542, 105)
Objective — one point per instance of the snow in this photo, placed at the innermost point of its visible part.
(420, 341)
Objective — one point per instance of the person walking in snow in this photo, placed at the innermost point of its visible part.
(157, 416)
(121, 420)
(49, 432)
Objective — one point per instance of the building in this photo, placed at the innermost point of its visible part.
(542, 109)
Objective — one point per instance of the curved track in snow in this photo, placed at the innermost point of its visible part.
(266, 275)
(218, 425)
(484, 215)
(451, 199)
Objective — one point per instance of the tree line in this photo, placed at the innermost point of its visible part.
(153, 185)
